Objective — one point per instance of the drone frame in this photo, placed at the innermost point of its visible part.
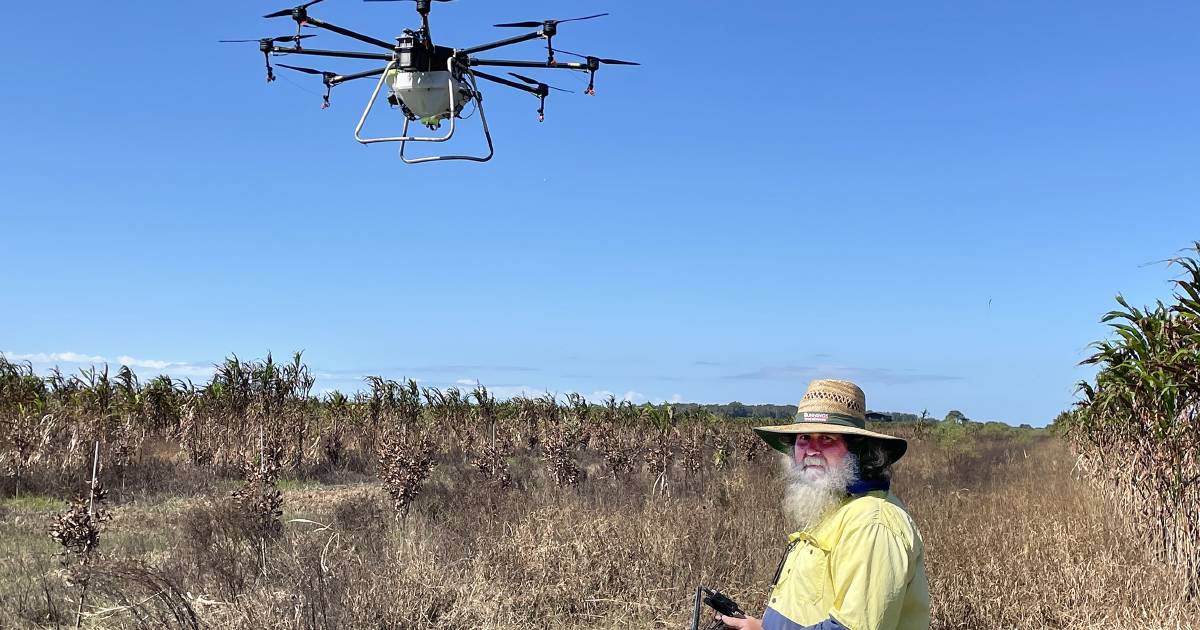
(416, 52)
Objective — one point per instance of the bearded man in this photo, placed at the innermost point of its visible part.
(855, 560)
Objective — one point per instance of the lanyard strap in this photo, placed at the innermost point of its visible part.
(779, 569)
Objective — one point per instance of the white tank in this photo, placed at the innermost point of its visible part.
(427, 94)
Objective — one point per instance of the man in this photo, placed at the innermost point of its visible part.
(856, 560)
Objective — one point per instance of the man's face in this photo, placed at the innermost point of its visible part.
(815, 454)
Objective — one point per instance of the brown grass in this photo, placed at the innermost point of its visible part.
(1013, 539)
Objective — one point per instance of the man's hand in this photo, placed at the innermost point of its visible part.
(749, 623)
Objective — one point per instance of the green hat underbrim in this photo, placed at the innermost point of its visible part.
(781, 437)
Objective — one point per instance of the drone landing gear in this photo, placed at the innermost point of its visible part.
(404, 138)
(487, 134)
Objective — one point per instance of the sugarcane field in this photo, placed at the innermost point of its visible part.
(249, 502)
(469, 315)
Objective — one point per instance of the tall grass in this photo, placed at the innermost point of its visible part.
(1137, 430)
(1013, 541)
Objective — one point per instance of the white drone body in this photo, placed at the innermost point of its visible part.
(427, 94)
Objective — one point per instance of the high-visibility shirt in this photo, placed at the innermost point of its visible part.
(862, 567)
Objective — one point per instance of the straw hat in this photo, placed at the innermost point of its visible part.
(830, 406)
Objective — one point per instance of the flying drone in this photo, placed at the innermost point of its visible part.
(427, 82)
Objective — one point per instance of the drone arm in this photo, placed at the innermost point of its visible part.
(351, 34)
(499, 44)
(342, 78)
(506, 63)
(502, 81)
(331, 53)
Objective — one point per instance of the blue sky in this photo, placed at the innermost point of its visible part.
(937, 200)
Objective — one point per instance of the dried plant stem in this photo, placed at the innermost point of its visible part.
(91, 511)
(92, 485)
(262, 469)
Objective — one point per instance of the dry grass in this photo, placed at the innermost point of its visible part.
(1014, 541)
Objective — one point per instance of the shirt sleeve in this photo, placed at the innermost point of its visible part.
(869, 567)
(773, 620)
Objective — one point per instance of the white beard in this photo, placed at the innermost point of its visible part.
(810, 495)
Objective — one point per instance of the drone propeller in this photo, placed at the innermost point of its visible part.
(283, 38)
(546, 22)
(267, 46)
(323, 73)
(423, 7)
(594, 65)
(326, 78)
(297, 13)
(293, 11)
(534, 82)
(549, 29)
(543, 90)
(615, 62)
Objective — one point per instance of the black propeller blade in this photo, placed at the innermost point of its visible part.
(543, 90)
(615, 62)
(323, 73)
(288, 12)
(423, 8)
(533, 82)
(543, 22)
(283, 38)
(267, 46)
(326, 78)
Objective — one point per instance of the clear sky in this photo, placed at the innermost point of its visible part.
(935, 199)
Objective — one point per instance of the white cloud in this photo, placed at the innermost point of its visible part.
(800, 373)
(172, 368)
(632, 396)
(152, 364)
(189, 369)
(602, 395)
(676, 398)
(465, 381)
(512, 391)
(54, 357)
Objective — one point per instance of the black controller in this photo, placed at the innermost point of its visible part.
(719, 602)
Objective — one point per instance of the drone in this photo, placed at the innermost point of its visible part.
(429, 83)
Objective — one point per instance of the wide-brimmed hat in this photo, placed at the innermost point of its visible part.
(830, 406)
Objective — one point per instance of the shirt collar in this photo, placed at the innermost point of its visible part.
(868, 485)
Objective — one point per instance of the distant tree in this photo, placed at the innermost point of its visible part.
(740, 410)
(956, 417)
(1062, 422)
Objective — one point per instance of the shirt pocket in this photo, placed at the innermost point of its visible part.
(808, 571)
(811, 569)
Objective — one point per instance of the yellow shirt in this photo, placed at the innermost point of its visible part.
(863, 566)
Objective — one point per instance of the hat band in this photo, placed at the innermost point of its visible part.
(830, 418)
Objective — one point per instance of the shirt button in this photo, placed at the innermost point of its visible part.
(772, 600)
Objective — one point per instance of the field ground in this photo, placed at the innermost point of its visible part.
(1014, 540)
